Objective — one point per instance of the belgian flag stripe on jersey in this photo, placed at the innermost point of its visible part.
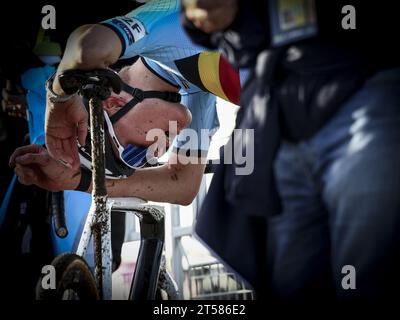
(218, 76)
(189, 72)
(229, 80)
(213, 74)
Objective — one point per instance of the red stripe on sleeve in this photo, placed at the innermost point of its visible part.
(230, 80)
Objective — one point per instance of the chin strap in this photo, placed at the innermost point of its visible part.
(139, 95)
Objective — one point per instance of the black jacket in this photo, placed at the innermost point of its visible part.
(233, 218)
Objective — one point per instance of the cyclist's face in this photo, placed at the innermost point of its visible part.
(143, 124)
(148, 121)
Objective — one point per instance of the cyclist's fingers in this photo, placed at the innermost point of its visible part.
(41, 159)
(25, 175)
(32, 148)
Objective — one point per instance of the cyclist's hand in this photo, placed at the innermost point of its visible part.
(65, 124)
(33, 165)
(211, 15)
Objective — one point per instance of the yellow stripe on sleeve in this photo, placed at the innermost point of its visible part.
(209, 73)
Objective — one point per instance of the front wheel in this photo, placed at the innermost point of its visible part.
(167, 288)
(74, 280)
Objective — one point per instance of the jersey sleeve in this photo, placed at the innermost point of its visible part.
(135, 29)
(153, 31)
(211, 72)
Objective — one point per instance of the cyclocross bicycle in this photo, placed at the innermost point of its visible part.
(74, 279)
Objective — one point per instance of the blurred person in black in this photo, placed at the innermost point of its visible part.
(324, 101)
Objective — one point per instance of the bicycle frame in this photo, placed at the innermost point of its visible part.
(151, 217)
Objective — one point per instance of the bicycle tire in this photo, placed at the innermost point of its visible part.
(72, 273)
(166, 285)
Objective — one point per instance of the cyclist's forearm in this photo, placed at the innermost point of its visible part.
(160, 184)
(89, 47)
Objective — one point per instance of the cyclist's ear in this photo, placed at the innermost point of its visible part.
(113, 103)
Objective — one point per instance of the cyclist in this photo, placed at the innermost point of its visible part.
(178, 64)
(170, 63)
